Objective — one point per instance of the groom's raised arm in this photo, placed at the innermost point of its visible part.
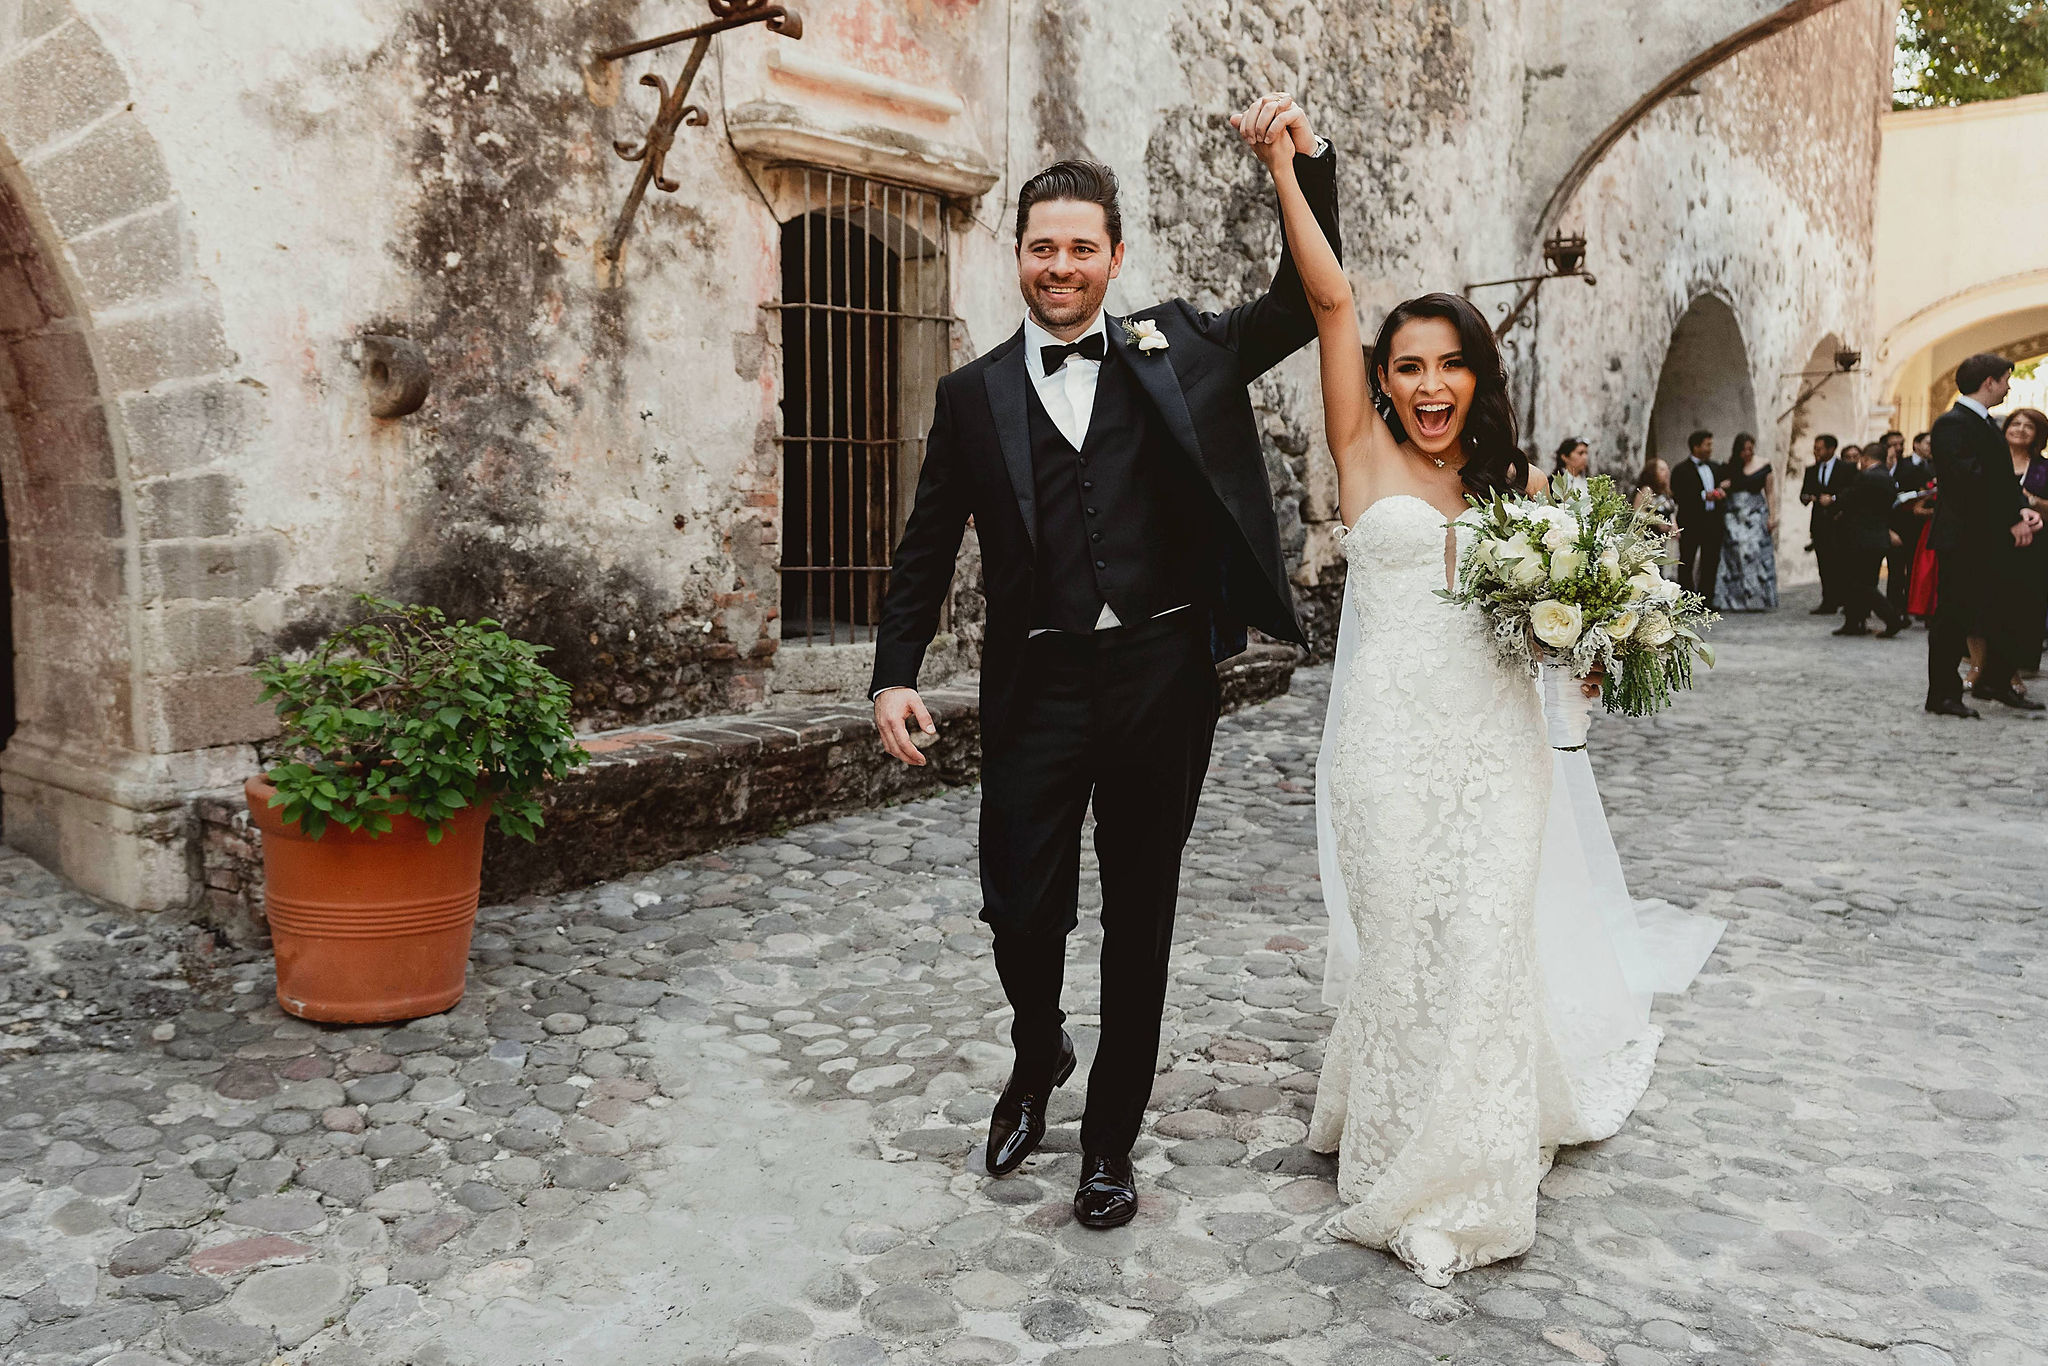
(1280, 322)
(925, 557)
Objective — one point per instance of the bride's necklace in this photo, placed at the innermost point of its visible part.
(1435, 461)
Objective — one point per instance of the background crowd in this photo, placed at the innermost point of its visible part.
(1970, 566)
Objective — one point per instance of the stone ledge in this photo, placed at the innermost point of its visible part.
(654, 794)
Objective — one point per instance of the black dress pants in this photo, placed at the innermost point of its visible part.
(1125, 718)
(1699, 555)
(1898, 572)
(1966, 585)
(1857, 581)
(1827, 559)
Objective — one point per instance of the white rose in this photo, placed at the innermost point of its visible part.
(1610, 563)
(1667, 589)
(1655, 630)
(1566, 564)
(1561, 534)
(1146, 333)
(1620, 628)
(1645, 584)
(1489, 550)
(1556, 624)
(1524, 562)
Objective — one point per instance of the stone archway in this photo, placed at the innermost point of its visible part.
(68, 521)
(119, 422)
(1705, 383)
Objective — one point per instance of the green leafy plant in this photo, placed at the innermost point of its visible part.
(409, 714)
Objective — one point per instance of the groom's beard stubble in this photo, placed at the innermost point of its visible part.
(1057, 312)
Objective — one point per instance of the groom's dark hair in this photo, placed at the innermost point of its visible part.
(1086, 182)
(1979, 370)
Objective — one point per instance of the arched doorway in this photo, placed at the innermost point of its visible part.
(6, 642)
(64, 604)
(864, 340)
(1705, 383)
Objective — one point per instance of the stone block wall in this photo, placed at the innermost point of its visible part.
(651, 795)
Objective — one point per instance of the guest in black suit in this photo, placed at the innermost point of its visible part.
(1978, 519)
(1696, 487)
(1823, 483)
(1114, 472)
(1912, 472)
(1862, 536)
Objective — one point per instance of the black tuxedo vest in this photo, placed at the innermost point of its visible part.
(1122, 520)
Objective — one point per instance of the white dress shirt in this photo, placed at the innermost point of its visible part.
(1704, 472)
(1069, 392)
(1974, 406)
(1069, 398)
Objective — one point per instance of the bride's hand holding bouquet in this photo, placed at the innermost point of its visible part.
(1569, 578)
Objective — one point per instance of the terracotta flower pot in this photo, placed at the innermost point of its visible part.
(367, 927)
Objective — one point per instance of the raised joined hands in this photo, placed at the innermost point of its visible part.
(1275, 128)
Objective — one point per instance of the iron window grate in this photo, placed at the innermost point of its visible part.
(866, 334)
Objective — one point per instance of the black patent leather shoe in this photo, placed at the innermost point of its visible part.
(2015, 700)
(1952, 706)
(1108, 1194)
(1848, 630)
(1017, 1124)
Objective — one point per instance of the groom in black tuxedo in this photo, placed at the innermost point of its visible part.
(1979, 514)
(1114, 474)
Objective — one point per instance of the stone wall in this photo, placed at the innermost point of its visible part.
(208, 205)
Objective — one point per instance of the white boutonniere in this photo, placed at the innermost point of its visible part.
(1144, 334)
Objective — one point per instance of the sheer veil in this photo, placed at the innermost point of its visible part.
(1602, 954)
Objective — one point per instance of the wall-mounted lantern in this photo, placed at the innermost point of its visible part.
(675, 109)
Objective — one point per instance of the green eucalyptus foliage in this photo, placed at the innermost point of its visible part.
(408, 714)
(1960, 51)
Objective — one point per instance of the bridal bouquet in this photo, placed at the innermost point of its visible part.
(1570, 579)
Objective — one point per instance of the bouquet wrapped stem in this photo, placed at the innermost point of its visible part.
(1571, 577)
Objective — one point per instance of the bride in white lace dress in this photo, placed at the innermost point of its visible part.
(1452, 1073)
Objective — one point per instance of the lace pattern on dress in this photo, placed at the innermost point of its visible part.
(1443, 1090)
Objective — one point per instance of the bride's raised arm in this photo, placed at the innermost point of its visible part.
(1275, 128)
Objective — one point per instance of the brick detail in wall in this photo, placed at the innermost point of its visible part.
(654, 794)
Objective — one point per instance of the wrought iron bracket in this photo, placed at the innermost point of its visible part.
(675, 110)
(1847, 362)
(1566, 257)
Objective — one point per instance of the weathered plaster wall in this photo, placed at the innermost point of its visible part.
(1757, 190)
(235, 191)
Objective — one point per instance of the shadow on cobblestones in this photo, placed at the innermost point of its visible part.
(724, 1112)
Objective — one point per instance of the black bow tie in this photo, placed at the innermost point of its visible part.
(1093, 347)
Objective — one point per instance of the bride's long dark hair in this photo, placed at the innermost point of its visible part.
(1494, 462)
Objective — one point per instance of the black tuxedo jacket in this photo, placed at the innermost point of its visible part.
(1823, 519)
(1865, 511)
(1980, 497)
(1693, 508)
(978, 464)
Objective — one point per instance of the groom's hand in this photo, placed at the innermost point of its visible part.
(893, 709)
(1275, 127)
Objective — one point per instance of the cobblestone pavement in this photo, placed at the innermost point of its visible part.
(723, 1112)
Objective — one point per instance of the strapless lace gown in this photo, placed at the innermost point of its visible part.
(1443, 1091)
